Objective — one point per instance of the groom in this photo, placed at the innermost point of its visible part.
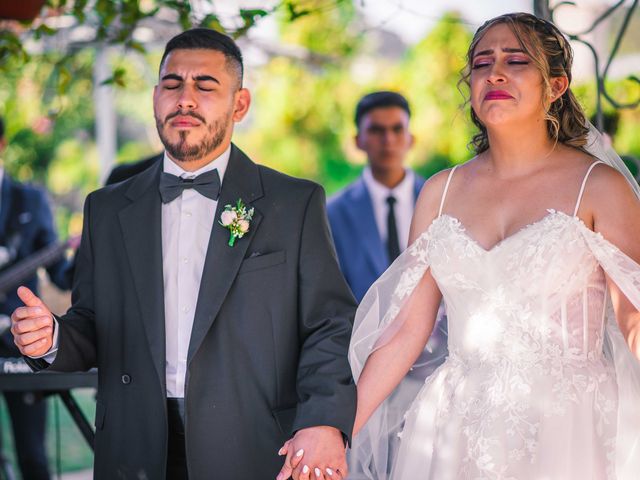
(218, 335)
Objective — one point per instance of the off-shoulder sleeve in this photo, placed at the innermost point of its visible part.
(625, 273)
(380, 315)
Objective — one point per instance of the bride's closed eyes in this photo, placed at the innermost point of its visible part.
(511, 61)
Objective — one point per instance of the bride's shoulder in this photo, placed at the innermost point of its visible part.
(598, 176)
(434, 188)
(606, 190)
(603, 180)
(428, 203)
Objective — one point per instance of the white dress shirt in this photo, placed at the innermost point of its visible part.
(186, 227)
(404, 194)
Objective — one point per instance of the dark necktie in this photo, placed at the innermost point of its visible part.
(393, 247)
(207, 184)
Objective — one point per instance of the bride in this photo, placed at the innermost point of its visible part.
(533, 246)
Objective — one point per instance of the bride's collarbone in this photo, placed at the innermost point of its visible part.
(491, 220)
(492, 209)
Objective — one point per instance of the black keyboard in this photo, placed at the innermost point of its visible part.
(15, 374)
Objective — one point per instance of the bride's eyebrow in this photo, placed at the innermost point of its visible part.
(506, 50)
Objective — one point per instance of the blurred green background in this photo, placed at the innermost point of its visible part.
(301, 120)
(65, 445)
(301, 117)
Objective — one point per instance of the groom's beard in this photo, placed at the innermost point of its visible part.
(184, 151)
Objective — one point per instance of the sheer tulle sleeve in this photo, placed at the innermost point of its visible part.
(625, 273)
(380, 315)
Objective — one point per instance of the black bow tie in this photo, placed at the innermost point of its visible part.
(207, 184)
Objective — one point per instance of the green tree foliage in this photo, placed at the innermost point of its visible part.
(429, 75)
(39, 120)
(299, 116)
(303, 110)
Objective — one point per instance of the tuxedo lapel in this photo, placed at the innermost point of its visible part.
(364, 222)
(241, 181)
(141, 224)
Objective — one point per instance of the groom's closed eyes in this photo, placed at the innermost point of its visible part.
(172, 81)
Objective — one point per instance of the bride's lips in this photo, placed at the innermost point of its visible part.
(498, 95)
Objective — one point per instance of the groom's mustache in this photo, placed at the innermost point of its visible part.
(188, 113)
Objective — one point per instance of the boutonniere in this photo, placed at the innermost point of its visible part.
(236, 220)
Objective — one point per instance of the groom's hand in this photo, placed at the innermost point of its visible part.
(32, 325)
(315, 453)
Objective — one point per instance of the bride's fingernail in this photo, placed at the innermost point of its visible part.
(299, 453)
(280, 452)
(317, 470)
(329, 472)
(305, 469)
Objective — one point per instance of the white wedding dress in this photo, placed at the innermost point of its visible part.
(539, 383)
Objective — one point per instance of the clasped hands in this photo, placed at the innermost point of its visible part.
(315, 453)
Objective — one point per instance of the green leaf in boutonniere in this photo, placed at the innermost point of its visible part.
(237, 220)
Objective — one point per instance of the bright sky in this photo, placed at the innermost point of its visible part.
(412, 19)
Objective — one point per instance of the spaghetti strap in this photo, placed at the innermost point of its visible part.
(584, 182)
(446, 188)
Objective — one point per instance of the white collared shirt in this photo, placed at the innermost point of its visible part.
(404, 194)
(186, 227)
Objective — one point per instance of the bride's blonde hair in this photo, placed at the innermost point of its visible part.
(551, 53)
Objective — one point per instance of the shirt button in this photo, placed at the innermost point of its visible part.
(126, 379)
(188, 214)
(185, 260)
(185, 309)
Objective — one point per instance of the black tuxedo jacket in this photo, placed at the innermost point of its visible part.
(268, 351)
(128, 170)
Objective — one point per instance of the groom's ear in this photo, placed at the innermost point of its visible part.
(242, 101)
(358, 141)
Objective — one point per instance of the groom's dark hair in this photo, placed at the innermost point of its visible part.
(380, 100)
(1, 128)
(207, 39)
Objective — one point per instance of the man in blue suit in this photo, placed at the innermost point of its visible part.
(370, 218)
(26, 226)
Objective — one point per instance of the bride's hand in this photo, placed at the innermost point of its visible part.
(290, 462)
(293, 460)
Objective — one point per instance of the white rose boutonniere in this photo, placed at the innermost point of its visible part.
(236, 219)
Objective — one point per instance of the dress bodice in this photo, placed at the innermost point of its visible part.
(539, 293)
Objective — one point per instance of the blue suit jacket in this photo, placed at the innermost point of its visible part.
(26, 220)
(362, 253)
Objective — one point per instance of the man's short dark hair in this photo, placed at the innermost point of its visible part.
(380, 100)
(1, 128)
(207, 39)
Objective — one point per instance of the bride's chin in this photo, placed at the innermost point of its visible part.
(497, 117)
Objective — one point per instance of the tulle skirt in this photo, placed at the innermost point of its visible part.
(473, 420)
